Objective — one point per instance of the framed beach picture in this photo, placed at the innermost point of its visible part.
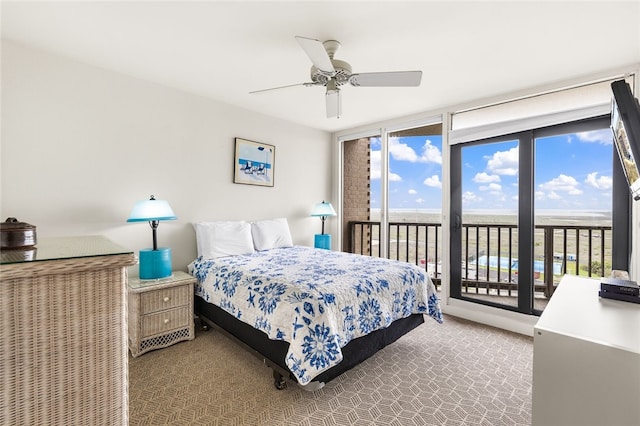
(254, 163)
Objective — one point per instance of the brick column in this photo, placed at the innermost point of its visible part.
(357, 190)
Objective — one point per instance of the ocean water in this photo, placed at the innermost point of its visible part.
(503, 217)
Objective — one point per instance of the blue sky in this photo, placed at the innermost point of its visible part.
(415, 175)
(572, 171)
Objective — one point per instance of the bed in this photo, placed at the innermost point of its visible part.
(310, 314)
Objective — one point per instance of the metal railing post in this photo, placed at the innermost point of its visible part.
(548, 262)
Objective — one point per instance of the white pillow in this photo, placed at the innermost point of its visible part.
(218, 239)
(273, 233)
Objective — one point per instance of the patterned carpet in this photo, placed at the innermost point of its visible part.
(456, 373)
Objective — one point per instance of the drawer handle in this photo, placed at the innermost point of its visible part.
(166, 320)
(166, 298)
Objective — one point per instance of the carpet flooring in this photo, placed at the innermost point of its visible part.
(456, 373)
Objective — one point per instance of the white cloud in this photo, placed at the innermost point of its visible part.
(602, 182)
(394, 177)
(403, 152)
(420, 200)
(375, 164)
(485, 178)
(470, 197)
(433, 181)
(562, 183)
(504, 162)
(412, 192)
(554, 196)
(375, 168)
(603, 136)
(431, 153)
(496, 187)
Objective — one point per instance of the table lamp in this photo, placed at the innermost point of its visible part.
(323, 210)
(156, 262)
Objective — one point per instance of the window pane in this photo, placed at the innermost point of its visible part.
(489, 217)
(415, 197)
(573, 198)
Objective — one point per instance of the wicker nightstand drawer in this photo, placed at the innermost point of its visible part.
(166, 298)
(165, 321)
(160, 312)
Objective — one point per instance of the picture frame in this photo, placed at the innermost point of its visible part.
(254, 163)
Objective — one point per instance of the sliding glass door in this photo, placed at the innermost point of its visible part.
(491, 221)
(527, 208)
(487, 225)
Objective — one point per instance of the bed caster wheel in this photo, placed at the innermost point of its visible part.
(280, 384)
(200, 324)
(279, 381)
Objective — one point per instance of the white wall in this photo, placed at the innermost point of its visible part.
(80, 145)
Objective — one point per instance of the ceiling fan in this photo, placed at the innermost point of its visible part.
(333, 73)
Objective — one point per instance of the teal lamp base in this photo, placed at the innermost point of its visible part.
(155, 264)
(322, 241)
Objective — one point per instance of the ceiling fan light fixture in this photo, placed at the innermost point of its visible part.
(333, 101)
(332, 86)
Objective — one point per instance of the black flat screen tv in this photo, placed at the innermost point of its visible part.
(625, 124)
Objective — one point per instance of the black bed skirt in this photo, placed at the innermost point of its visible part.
(275, 351)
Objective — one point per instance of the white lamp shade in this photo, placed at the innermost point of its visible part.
(323, 209)
(153, 209)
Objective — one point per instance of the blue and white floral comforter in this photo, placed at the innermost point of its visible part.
(317, 300)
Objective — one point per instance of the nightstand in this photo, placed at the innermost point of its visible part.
(160, 312)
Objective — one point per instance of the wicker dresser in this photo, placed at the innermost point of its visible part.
(63, 345)
(160, 312)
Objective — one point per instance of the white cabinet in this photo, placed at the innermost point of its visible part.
(586, 359)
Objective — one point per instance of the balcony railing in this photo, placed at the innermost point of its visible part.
(489, 252)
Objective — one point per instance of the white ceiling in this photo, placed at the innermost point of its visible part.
(223, 50)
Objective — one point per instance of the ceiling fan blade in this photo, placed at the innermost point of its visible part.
(283, 87)
(334, 103)
(316, 52)
(387, 79)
